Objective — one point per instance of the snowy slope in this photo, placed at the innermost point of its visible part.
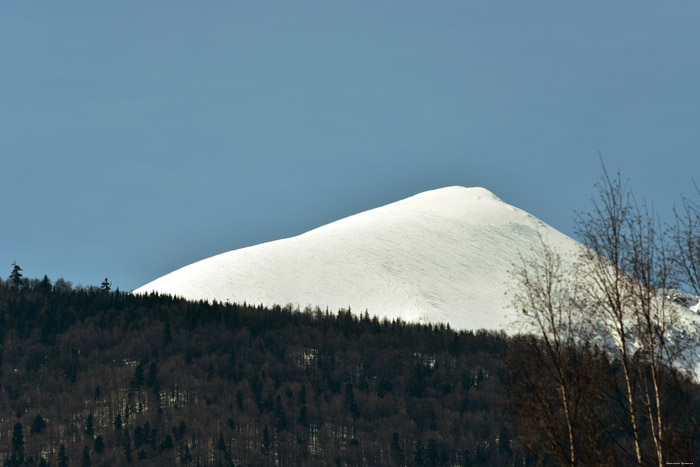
(439, 256)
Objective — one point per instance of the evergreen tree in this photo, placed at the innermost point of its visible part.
(280, 415)
(266, 441)
(396, 448)
(186, 456)
(38, 425)
(431, 454)
(99, 444)
(138, 379)
(504, 442)
(302, 395)
(18, 442)
(16, 276)
(85, 462)
(418, 453)
(221, 445)
(152, 374)
(63, 459)
(106, 285)
(127, 446)
(167, 443)
(45, 284)
(179, 431)
(138, 436)
(167, 333)
(89, 427)
(303, 418)
(350, 402)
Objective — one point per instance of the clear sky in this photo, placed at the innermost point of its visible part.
(139, 136)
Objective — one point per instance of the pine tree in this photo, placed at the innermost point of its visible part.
(266, 441)
(18, 443)
(396, 448)
(99, 444)
(167, 333)
(431, 453)
(16, 276)
(127, 446)
(138, 379)
(350, 402)
(152, 374)
(302, 395)
(167, 443)
(418, 453)
(45, 284)
(86, 462)
(63, 459)
(89, 426)
(106, 285)
(303, 418)
(38, 425)
(221, 445)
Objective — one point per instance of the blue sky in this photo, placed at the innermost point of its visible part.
(137, 137)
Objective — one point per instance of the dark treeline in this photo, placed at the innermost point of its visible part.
(95, 377)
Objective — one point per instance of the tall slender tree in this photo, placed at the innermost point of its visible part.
(16, 275)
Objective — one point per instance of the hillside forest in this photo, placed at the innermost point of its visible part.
(91, 376)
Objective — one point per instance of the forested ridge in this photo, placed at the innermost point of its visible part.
(91, 376)
(96, 377)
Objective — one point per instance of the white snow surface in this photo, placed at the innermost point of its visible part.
(441, 256)
(696, 308)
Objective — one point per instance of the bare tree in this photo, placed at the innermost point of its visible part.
(686, 258)
(610, 297)
(686, 236)
(626, 264)
(545, 294)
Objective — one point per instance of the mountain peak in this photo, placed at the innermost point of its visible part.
(441, 256)
(456, 194)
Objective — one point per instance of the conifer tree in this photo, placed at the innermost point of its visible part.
(86, 462)
(431, 454)
(303, 418)
(350, 402)
(45, 284)
(418, 453)
(89, 426)
(266, 441)
(99, 444)
(63, 459)
(16, 276)
(221, 445)
(38, 425)
(396, 448)
(18, 443)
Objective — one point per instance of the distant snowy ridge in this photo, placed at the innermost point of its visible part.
(439, 256)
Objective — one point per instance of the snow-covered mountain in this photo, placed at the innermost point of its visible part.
(439, 256)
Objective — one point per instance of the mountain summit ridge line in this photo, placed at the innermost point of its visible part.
(443, 256)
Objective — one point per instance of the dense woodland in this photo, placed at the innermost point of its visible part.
(97, 377)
